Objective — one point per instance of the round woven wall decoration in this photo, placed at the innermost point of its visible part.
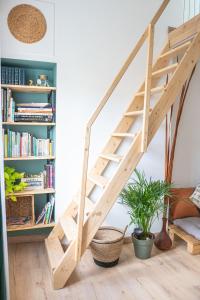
(26, 23)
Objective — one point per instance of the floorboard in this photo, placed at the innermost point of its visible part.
(171, 275)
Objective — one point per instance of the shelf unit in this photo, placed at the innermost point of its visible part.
(32, 164)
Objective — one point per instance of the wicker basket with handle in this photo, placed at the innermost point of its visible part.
(107, 245)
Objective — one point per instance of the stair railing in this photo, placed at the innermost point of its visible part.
(149, 35)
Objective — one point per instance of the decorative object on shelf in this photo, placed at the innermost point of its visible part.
(106, 246)
(42, 80)
(30, 82)
(144, 199)
(21, 212)
(27, 23)
(13, 182)
(162, 240)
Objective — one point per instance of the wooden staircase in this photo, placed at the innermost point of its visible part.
(82, 218)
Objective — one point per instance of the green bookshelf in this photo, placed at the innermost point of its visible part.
(41, 130)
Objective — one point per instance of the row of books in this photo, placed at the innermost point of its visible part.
(33, 112)
(13, 75)
(43, 180)
(47, 212)
(23, 144)
(7, 106)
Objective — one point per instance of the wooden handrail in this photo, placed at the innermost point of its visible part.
(147, 34)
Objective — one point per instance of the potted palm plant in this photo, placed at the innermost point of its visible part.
(144, 199)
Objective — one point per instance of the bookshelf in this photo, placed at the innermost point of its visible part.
(32, 164)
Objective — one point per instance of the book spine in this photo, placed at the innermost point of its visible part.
(16, 76)
(3, 75)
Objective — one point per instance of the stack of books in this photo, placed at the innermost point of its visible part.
(33, 112)
(7, 106)
(13, 75)
(34, 181)
(47, 212)
(24, 144)
(43, 180)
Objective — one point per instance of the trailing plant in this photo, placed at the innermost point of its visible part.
(144, 199)
(13, 182)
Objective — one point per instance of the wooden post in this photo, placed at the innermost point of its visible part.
(81, 207)
(147, 94)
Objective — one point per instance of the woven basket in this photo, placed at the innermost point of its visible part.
(23, 207)
(107, 245)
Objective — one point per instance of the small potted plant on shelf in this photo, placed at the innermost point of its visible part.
(13, 182)
(144, 199)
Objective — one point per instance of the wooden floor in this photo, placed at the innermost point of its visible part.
(170, 275)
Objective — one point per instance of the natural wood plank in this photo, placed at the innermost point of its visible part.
(33, 192)
(166, 275)
(188, 29)
(176, 51)
(29, 158)
(124, 135)
(113, 157)
(155, 90)
(54, 252)
(29, 123)
(148, 91)
(166, 70)
(69, 227)
(135, 113)
(29, 89)
(29, 227)
(98, 180)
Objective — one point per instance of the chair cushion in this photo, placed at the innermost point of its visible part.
(190, 225)
(184, 208)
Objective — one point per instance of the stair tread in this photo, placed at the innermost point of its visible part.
(176, 50)
(135, 113)
(110, 156)
(123, 134)
(54, 250)
(165, 70)
(98, 180)
(153, 90)
(69, 227)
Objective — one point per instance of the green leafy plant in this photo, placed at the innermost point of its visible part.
(144, 198)
(13, 182)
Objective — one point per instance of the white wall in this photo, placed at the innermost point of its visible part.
(93, 38)
(187, 156)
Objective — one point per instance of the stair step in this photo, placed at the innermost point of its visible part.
(155, 90)
(55, 251)
(98, 180)
(165, 70)
(69, 227)
(110, 156)
(135, 113)
(119, 134)
(175, 51)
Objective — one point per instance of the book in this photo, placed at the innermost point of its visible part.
(24, 144)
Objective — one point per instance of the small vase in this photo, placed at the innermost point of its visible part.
(163, 241)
